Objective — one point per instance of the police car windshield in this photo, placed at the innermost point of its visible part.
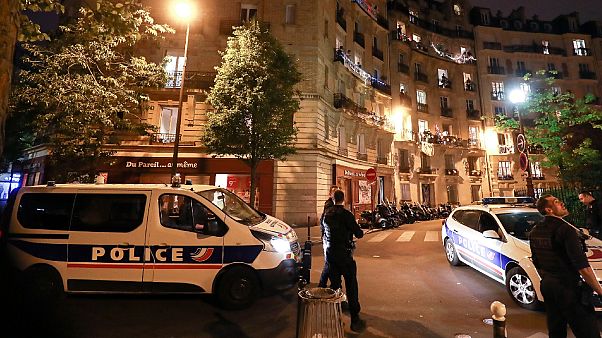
(519, 223)
(233, 206)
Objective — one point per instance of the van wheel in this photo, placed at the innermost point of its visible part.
(520, 288)
(41, 284)
(237, 289)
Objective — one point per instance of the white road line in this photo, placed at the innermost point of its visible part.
(431, 236)
(380, 237)
(406, 236)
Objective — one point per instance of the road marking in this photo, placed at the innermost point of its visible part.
(431, 236)
(380, 237)
(406, 236)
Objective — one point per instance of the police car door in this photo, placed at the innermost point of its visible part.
(106, 241)
(465, 233)
(182, 257)
(488, 254)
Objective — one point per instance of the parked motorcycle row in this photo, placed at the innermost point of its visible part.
(387, 215)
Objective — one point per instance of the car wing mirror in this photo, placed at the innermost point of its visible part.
(213, 227)
(491, 234)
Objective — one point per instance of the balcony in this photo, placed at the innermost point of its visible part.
(587, 75)
(356, 69)
(359, 39)
(451, 172)
(340, 18)
(469, 86)
(446, 112)
(539, 177)
(475, 172)
(362, 156)
(373, 13)
(534, 48)
(492, 45)
(496, 70)
(505, 149)
(507, 177)
(427, 171)
(382, 159)
(163, 138)
(342, 101)
(403, 68)
(381, 86)
(473, 114)
(422, 107)
(404, 169)
(399, 36)
(419, 46)
(555, 74)
(377, 53)
(582, 51)
(405, 99)
(421, 77)
(443, 139)
(522, 72)
(194, 80)
(474, 143)
(497, 96)
(408, 135)
(370, 118)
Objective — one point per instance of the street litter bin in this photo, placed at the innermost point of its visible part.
(320, 313)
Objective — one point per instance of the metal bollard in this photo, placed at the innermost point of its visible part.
(498, 313)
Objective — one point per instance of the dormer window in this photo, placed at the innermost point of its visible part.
(504, 24)
(518, 25)
(457, 9)
(534, 26)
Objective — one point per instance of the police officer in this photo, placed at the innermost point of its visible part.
(339, 229)
(593, 213)
(327, 204)
(558, 252)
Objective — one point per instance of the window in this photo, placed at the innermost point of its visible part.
(413, 16)
(167, 123)
(473, 135)
(449, 162)
(402, 88)
(452, 193)
(423, 126)
(443, 101)
(418, 68)
(416, 38)
(425, 160)
(173, 67)
(520, 66)
(443, 78)
(361, 143)
(494, 62)
(405, 192)
(457, 9)
(503, 170)
(536, 169)
(182, 212)
(551, 67)
(475, 193)
(470, 105)
(472, 163)
(525, 87)
(499, 110)
(545, 47)
(402, 58)
(583, 68)
(326, 76)
(579, 47)
(435, 23)
(501, 139)
(247, 12)
(108, 212)
(421, 96)
(485, 18)
(45, 211)
(497, 91)
(342, 138)
(290, 14)
(469, 218)
(404, 159)
(556, 90)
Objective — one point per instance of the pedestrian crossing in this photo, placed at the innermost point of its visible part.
(404, 236)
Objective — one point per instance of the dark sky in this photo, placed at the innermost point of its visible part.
(547, 9)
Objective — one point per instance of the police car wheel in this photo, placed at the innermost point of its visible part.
(41, 284)
(520, 288)
(238, 288)
(450, 253)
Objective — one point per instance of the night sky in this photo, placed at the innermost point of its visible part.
(547, 9)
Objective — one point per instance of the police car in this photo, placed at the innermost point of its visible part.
(493, 239)
(126, 238)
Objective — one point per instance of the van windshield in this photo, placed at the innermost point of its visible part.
(233, 206)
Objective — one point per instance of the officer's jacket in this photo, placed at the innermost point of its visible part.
(339, 229)
(557, 249)
(593, 215)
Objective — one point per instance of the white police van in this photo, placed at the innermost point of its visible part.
(109, 238)
(492, 238)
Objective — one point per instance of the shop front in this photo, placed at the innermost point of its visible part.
(361, 194)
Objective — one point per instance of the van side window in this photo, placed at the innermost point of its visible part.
(183, 212)
(45, 211)
(108, 212)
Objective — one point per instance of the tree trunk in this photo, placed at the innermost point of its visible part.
(9, 16)
(253, 164)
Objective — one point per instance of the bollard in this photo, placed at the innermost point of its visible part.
(498, 311)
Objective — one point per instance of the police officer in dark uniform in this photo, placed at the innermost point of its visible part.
(568, 281)
(593, 213)
(327, 204)
(339, 229)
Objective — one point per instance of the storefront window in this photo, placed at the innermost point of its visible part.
(8, 183)
(238, 184)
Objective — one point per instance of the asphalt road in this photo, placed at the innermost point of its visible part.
(407, 289)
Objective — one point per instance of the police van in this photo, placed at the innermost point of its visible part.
(111, 238)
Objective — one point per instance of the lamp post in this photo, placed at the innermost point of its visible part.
(182, 10)
(518, 97)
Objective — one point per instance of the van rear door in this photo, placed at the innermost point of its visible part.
(106, 241)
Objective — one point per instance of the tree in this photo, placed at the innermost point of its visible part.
(253, 100)
(16, 26)
(86, 86)
(567, 128)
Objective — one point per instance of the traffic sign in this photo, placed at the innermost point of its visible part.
(523, 161)
(521, 143)
(371, 175)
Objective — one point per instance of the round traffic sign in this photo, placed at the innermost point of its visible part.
(523, 161)
(521, 143)
(371, 175)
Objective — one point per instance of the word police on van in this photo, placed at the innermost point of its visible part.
(147, 238)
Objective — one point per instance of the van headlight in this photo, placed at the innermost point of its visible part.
(273, 243)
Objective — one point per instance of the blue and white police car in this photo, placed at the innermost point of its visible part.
(492, 238)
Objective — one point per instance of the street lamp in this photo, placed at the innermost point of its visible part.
(184, 11)
(518, 96)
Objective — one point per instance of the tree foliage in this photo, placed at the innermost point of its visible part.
(254, 100)
(85, 86)
(568, 128)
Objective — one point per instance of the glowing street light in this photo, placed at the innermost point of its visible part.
(184, 11)
(518, 96)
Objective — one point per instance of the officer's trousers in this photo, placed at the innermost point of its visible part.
(345, 267)
(563, 306)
